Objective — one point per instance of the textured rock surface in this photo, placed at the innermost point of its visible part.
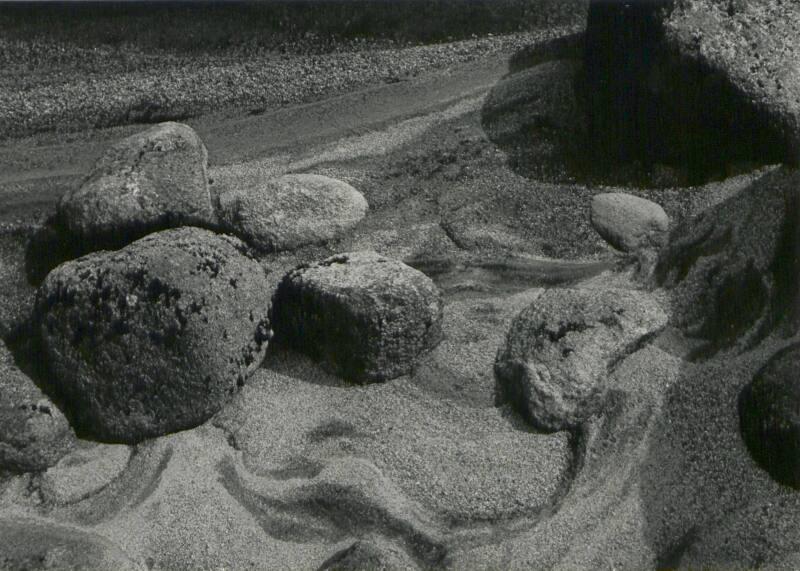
(734, 270)
(153, 338)
(150, 181)
(700, 84)
(290, 211)
(753, 44)
(364, 316)
(34, 434)
(629, 223)
(558, 351)
(769, 412)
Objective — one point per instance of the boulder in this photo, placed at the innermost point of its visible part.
(700, 84)
(559, 350)
(290, 211)
(152, 338)
(629, 223)
(734, 269)
(150, 181)
(365, 317)
(769, 415)
(34, 434)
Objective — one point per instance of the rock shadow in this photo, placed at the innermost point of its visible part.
(661, 121)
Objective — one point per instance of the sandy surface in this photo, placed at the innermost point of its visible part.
(427, 470)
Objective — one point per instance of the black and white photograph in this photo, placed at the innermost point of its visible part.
(399, 285)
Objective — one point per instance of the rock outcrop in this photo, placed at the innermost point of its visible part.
(769, 413)
(152, 338)
(290, 211)
(150, 181)
(699, 84)
(34, 434)
(559, 350)
(629, 223)
(734, 270)
(364, 316)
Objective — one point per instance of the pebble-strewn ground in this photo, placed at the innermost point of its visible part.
(53, 87)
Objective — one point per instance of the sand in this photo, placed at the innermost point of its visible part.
(427, 470)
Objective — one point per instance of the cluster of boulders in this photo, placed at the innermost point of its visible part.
(166, 310)
(151, 334)
(713, 85)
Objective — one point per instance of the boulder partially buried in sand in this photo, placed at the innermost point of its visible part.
(695, 83)
(150, 181)
(290, 211)
(34, 434)
(629, 223)
(734, 270)
(769, 413)
(152, 338)
(558, 351)
(364, 316)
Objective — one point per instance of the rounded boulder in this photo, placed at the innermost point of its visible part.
(769, 414)
(629, 223)
(34, 434)
(290, 211)
(558, 351)
(363, 316)
(148, 182)
(152, 338)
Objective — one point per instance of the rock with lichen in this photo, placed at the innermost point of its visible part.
(154, 337)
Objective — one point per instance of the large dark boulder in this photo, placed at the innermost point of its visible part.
(769, 413)
(700, 84)
(154, 337)
(150, 181)
(558, 351)
(734, 270)
(365, 317)
(34, 434)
